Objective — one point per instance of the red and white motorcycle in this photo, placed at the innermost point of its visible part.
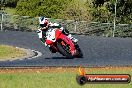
(58, 42)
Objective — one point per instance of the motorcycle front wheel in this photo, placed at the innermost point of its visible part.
(64, 50)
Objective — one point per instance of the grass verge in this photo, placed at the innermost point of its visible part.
(9, 52)
(56, 77)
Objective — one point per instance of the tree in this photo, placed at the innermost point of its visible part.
(27, 7)
(48, 8)
(77, 10)
(99, 11)
(104, 10)
(124, 10)
(98, 3)
(10, 3)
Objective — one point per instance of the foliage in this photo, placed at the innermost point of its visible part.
(77, 10)
(48, 8)
(124, 10)
(104, 10)
(98, 2)
(99, 11)
(88, 10)
(9, 3)
(64, 9)
(9, 10)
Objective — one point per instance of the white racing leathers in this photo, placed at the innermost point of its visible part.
(40, 33)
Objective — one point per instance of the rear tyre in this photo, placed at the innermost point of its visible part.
(79, 53)
(63, 50)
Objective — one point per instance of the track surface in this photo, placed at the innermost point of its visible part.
(98, 51)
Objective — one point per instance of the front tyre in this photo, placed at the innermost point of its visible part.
(63, 50)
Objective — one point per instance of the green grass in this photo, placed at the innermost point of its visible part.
(7, 52)
(58, 79)
(33, 80)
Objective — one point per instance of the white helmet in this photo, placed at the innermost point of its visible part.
(43, 20)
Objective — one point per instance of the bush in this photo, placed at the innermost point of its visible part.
(47, 8)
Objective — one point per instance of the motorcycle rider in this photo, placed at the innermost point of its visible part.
(43, 28)
(44, 25)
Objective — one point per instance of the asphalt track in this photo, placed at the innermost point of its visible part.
(98, 51)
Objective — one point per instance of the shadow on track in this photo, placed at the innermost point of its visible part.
(59, 58)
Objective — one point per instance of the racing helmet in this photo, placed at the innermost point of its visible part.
(43, 20)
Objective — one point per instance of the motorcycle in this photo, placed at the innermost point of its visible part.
(58, 42)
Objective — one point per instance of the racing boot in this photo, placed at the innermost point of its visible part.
(43, 41)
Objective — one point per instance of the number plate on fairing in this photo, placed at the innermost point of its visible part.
(50, 35)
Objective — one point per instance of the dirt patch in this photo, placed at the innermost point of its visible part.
(37, 70)
(59, 69)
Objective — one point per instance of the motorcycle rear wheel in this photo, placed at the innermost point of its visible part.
(79, 53)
